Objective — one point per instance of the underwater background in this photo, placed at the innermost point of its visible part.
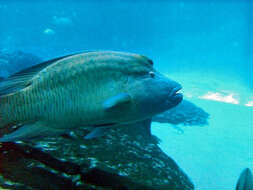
(204, 45)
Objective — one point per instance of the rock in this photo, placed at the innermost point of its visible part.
(111, 166)
(185, 113)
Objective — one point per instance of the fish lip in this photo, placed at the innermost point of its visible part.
(175, 97)
(174, 92)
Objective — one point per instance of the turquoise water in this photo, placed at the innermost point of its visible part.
(213, 156)
(205, 45)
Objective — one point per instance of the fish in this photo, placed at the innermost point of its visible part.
(96, 90)
(245, 181)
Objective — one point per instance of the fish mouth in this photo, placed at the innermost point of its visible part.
(175, 97)
(175, 92)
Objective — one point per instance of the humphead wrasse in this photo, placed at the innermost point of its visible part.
(98, 90)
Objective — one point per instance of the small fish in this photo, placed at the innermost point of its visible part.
(97, 90)
(245, 181)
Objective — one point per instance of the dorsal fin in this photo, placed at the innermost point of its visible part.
(20, 80)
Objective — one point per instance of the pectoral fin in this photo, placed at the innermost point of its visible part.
(141, 127)
(116, 101)
(97, 132)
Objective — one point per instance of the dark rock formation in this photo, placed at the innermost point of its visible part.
(185, 113)
(126, 158)
(31, 168)
(123, 159)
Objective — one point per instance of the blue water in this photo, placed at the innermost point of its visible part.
(207, 38)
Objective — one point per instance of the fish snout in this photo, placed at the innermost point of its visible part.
(174, 90)
(175, 97)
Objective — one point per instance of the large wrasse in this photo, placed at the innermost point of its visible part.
(98, 90)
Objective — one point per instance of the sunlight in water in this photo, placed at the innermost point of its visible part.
(249, 104)
(216, 96)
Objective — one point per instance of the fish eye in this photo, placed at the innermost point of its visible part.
(150, 62)
(152, 74)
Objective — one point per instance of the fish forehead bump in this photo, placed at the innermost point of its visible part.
(129, 62)
(126, 62)
(114, 56)
(96, 61)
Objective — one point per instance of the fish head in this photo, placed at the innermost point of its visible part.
(143, 92)
(154, 93)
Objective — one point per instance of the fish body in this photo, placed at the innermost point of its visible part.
(245, 181)
(94, 89)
